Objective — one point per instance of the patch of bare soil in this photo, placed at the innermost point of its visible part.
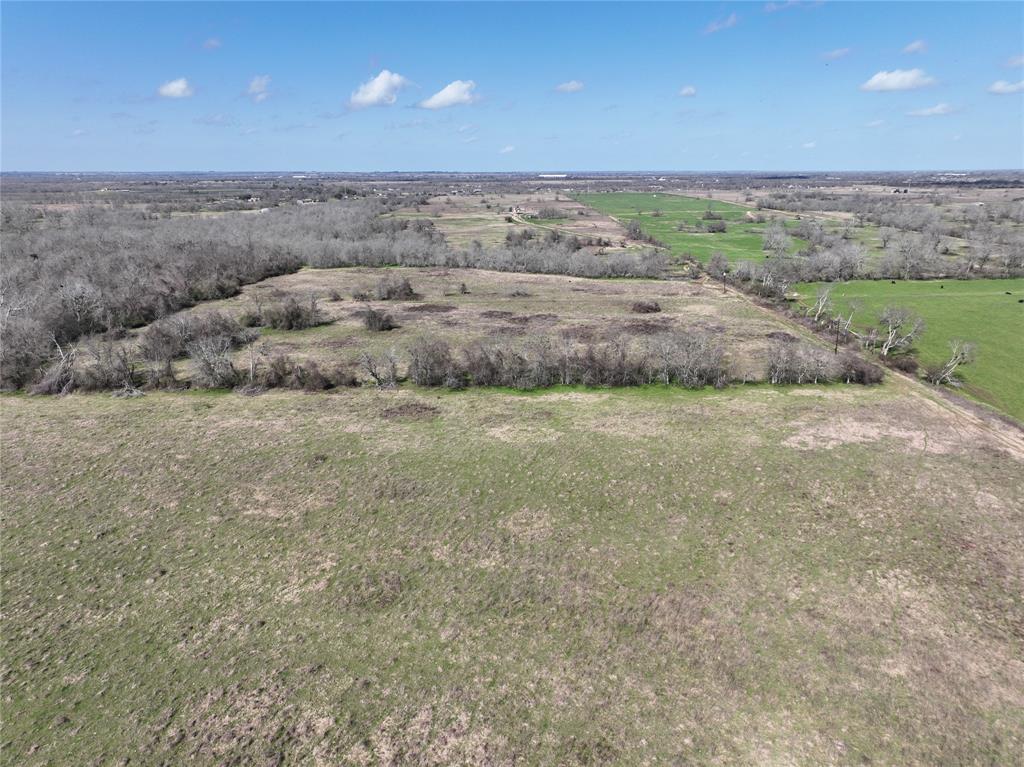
(496, 314)
(778, 335)
(431, 308)
(828, 435)
(582, 333)
(411, 410)
(533, 318)
(238, 725)
(646, 327)
(432, 735)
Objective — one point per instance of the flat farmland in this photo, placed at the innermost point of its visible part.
(986, 312)
(660, 215)
(500, 307)
(572, 577)
(485, 218)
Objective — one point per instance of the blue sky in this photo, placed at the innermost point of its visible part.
(504, 87)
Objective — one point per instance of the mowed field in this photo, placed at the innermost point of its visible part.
(987, 312)
(741, 241)
(817, 575)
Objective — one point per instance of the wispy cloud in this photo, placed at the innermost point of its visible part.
(453, 94)
(506, 149)
(1015, 61)
(379, 91)
(935, 111)
(783, 6)
(837, 53)
(874, 124)
(573, 86)
(259, 88)
(719, 24)
(212, 43)
(175, 89)
(688, 91)
(215, 120)
(918, 46)
(898, 80)
(79, 132)
(1003, 88)
(810, 145)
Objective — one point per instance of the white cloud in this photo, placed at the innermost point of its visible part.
(381, 90)
(506, 149)
(898, 80)
(719, 24)
(175, 89)
(212, 43)
(453, 94)
(78, 132)
(837, 53)
(918, 46)
(1002, 87)
(1015, 61)
(810, 145)
(874, 124)
(258, 88)
(573, 86)
(773, 7)
(688, 90)
(935, 111)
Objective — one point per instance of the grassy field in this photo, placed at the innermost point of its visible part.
(504, 306)
(469, 218)
(974, 310)
(752, 576)
(741, 241)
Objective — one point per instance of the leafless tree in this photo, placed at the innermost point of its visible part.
(961, 353)
(899, 328)
(383, 370)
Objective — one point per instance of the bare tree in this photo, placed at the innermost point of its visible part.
(383, 371)
(822, 303)
(899, 329)
(775, 238)
(961, 353)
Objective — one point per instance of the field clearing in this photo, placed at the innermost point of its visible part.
(465, 218)
(734, 577)
(742, 240)
(503, 306)
(980, 311)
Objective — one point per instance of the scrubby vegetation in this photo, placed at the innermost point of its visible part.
(68, 276)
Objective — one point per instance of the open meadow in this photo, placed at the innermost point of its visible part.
(676, 221)
(817, 575)
(988, 313)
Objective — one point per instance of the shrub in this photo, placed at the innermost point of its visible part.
(905, 363)
(394, 289)
(853, 369)
(714, 226)
(431, 364)
(383, 370)
(169, 338)
(797, 363)
(211, 363)
(693, 361)
(646, 307)
(377, 321)
(292, 315)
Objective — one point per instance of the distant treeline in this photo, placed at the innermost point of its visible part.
(99, 270)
